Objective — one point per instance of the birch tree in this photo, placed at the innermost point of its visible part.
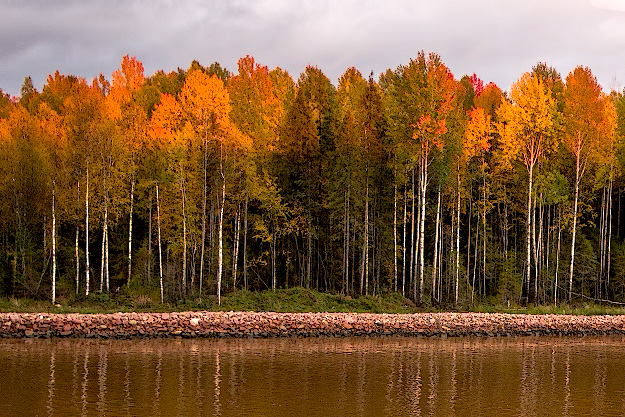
(527, 125)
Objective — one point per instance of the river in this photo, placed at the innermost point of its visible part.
(378, 376)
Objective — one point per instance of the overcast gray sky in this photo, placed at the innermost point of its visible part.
(496, 39)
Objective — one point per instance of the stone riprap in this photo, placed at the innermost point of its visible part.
(266, 324)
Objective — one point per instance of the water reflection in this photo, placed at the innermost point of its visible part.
(329, 377)
(51, 381)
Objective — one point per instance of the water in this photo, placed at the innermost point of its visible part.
(315, 377)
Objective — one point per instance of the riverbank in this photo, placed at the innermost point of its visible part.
(268, 324)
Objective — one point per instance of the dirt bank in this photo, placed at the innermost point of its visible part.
(249, 324)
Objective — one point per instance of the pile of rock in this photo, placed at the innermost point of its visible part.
(251, 324)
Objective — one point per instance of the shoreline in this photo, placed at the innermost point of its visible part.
(267, 324)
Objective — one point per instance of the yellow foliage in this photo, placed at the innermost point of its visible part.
(477, 133)
(165, 120)
(527, 122)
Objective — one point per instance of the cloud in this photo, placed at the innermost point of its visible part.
(615, 5)
(497, 40)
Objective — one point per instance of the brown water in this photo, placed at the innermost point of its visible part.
(315, 377)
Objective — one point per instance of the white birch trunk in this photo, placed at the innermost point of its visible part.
(528, 237)
(132, 199)
(103, 260)
(412, 234)
(435, 264)
(184, 237)
(220, 243)
(458, 243)
(484, 235)
(87, 234)
(395, 237)
(76, 253)
(53, 242)
(203, 246)
(574, 230)
(245, 243)
(77, 261)
(106, 259)
(609, 248)
(235, 249)
(555, 288)
(403, 269)
(160, 252)
(366, 237)
(422, 231)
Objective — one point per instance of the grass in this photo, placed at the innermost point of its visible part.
(586, 309)
(283, 300)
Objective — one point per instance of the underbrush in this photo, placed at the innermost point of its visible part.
(283, 300)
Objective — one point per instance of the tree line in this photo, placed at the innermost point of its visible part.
(198, 182)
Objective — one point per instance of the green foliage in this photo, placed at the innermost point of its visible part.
(285, 300)
(316, 177)
(510, 281)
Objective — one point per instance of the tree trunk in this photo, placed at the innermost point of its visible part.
(475, 253)
(424, 183)
(76, 253)
(528, 237)
(412, 233)
(106, 257)
(403, 269)
(203, 246)
(609, 248)
(77, 260)
(273, 258)
(149, 280)
(555, 288)
(347, 237)
(416, 247)
(132, 199)
(309, 255)
(574, 229)
(184, 238)
(484, 234)
(365, 247)
(211, 230)
(535, 246)
(505, 224)
(235, 249)
(53, 242)
(539, 249)
(103, 263)
(458, 242)
(395, 236)
(435, 264)
(220, 243)
(245, 243)
(160, 252)
(87, 234)
(470, 210)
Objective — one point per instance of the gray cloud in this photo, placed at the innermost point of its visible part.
(498, 40)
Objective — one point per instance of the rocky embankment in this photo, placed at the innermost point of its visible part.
(249, 324)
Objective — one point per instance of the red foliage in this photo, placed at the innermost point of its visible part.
(477, 83)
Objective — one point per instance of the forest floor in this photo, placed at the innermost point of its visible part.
(293, 300)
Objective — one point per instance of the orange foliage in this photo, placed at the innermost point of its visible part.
(205, 101)
(257, 109)
(52, 124)
(165, 119)
(477, 133)
(130, 76)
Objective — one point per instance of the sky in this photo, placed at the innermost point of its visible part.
(497, 39)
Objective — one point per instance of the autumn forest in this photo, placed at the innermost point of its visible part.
(200, 182)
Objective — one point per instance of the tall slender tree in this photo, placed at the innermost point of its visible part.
(527, 125)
